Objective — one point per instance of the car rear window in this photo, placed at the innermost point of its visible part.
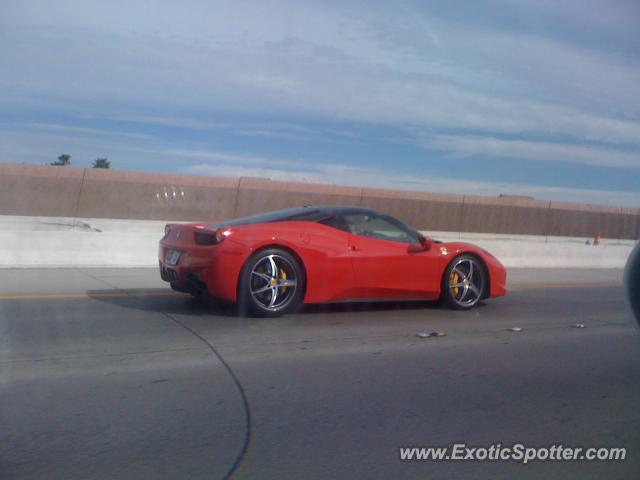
(304, 214)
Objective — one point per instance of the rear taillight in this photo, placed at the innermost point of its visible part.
(211, 238)
(222, 234)
(202, 238)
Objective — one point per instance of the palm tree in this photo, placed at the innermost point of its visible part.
(101, 163)
(63, 160)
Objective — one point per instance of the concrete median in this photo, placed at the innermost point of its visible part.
(29, 242)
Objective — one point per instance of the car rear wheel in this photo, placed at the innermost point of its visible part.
(271, 283)
(464, 282)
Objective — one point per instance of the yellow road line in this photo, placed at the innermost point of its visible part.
(71, 296)
(171, 293)
(553, 286)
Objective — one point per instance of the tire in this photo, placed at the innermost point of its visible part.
(464, 282)
(272, 283)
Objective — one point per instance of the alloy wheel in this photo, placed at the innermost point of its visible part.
(466, 282)
(273, 282)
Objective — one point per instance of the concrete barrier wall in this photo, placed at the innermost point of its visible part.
(581, 220)
(93, 193)
(420, 209)
(39, 190)
(513, 216)
(133, 195)
(89, 242)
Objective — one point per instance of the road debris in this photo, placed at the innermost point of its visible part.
(430, 334)
(516, 329)
(578, 325)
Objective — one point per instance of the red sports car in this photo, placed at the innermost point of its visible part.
(272, 263)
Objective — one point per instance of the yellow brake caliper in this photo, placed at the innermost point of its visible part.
(283, 276)
(454, 281)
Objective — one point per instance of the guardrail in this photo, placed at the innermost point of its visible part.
(33, 190)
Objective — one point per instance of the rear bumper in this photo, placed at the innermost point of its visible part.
(187, 281)
(187, 275)
(214, 269)
(168, 274)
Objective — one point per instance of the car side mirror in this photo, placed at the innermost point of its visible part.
(425, 244)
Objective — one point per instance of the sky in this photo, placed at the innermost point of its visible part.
(485, 97)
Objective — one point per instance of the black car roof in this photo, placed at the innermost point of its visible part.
(309, 213)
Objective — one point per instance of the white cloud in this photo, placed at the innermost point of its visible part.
(379, 65)
(179, 122)
(264, 163)
(51, 127)
(250, 129)
(494, 147)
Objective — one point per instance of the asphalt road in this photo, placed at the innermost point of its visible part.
(107, 374)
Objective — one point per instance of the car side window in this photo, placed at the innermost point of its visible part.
(380, 227)
(335, 222)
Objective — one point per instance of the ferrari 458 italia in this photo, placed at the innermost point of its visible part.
(272, 263)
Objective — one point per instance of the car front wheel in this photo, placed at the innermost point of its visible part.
(464, 282)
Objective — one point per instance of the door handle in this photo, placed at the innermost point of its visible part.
(354, 248)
